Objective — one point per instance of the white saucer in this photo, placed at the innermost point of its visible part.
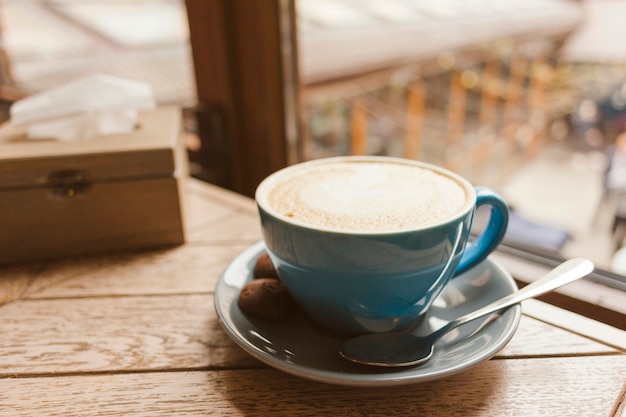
(298, 347)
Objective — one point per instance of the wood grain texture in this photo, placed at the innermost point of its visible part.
(15, 280)
(180, 270)
(496, 388)
(115, 193)
(108, 216)
(228, 199)
(200, 212)
(576, 323)
(224, 222)
(135, 333)
(216, 215)
(231, 229)
(535, 338)
(114, 334)
(158, 332)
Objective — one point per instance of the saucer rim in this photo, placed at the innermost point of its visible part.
(391, 378)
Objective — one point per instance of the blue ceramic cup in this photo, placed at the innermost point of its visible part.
(372, 279)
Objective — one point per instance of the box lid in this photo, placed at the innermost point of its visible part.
(149, 151)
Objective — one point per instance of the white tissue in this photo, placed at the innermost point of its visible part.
(83, 109)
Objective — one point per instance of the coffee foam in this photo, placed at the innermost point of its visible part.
(366, 196)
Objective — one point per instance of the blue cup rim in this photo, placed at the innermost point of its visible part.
(268, 182)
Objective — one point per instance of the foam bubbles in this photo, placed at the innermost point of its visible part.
(367, 196)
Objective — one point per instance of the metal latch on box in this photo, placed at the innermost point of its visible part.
(68, 183)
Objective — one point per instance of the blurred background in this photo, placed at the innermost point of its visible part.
(527, 97)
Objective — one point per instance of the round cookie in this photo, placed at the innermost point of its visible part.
(263, 268)
(266, 298)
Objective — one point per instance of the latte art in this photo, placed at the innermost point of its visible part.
(366, 196)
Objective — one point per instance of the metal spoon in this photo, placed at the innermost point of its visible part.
(395, 349)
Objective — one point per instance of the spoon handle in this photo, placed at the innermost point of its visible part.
(565, 273)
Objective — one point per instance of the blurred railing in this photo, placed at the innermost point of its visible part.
(471, 94)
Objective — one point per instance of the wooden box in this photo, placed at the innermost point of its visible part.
(109, 193)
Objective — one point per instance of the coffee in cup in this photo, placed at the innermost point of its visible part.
(366, 243)
(366, 196)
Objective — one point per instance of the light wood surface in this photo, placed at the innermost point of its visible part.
(136, 333)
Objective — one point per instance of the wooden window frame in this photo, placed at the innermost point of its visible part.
(245, 61)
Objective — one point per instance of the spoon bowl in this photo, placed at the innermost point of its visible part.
(399, 349)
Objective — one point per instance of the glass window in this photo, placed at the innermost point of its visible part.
(528, 97)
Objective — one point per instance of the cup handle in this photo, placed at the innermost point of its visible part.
(478, 249)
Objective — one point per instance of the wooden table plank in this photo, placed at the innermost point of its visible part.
(538, 339)
(114, 334)
(243, 228)
(15, 280)
(213, 217)
(134, 333)
(221, 196)
(239, 223)
(495, 388)
(185, 269)
(576, 323)
(200, 211)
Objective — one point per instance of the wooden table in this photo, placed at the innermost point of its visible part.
(137, 334)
